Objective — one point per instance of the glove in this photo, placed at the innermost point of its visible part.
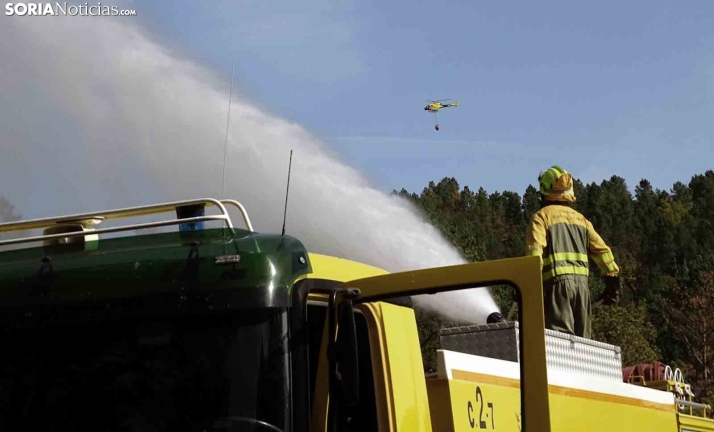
(612, 289)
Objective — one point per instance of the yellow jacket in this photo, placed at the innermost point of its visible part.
(564, 239)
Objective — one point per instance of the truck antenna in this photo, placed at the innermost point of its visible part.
(228, 122)
(285, 212)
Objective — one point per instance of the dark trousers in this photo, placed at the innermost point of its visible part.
(566, 299)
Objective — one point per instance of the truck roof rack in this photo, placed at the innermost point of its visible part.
(94, 218)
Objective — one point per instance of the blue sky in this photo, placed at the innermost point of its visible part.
(601, 88)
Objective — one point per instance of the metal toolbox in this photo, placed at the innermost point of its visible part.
(564, 352)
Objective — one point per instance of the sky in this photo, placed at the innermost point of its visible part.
(96, 115)
(601, 88)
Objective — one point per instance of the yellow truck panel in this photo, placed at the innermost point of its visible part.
(462, 405)
(410, 402)
(485, 403)
(338, 269)
(688, 423)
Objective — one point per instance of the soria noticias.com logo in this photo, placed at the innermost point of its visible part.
(57, 9)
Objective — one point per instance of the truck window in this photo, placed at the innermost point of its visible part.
(364, 416)
(316, 316)
(169, 374)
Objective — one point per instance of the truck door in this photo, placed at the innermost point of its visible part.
(523, 274)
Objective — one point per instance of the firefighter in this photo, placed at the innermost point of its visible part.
(564, 239)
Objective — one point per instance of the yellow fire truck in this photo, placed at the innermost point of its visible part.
(227, 329)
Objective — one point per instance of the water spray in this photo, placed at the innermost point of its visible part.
(146, 135)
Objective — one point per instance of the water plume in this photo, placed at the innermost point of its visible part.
(95, 114)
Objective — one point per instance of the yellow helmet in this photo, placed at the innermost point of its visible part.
(556, 184)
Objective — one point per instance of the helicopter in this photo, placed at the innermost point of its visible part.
(435, 106)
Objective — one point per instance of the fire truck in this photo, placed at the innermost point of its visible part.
(131, 320)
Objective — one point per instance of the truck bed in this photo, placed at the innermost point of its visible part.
(474, 392)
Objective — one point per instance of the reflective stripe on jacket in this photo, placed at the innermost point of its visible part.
(564, 239)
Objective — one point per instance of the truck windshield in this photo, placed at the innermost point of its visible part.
(207, 372)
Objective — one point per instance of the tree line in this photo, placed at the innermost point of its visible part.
(662, 240)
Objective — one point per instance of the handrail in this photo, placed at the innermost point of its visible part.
(242, 212)
(122, 213)
(687, 403)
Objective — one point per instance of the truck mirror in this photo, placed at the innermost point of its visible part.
(342, 349)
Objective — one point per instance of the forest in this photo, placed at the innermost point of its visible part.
(663, 242)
